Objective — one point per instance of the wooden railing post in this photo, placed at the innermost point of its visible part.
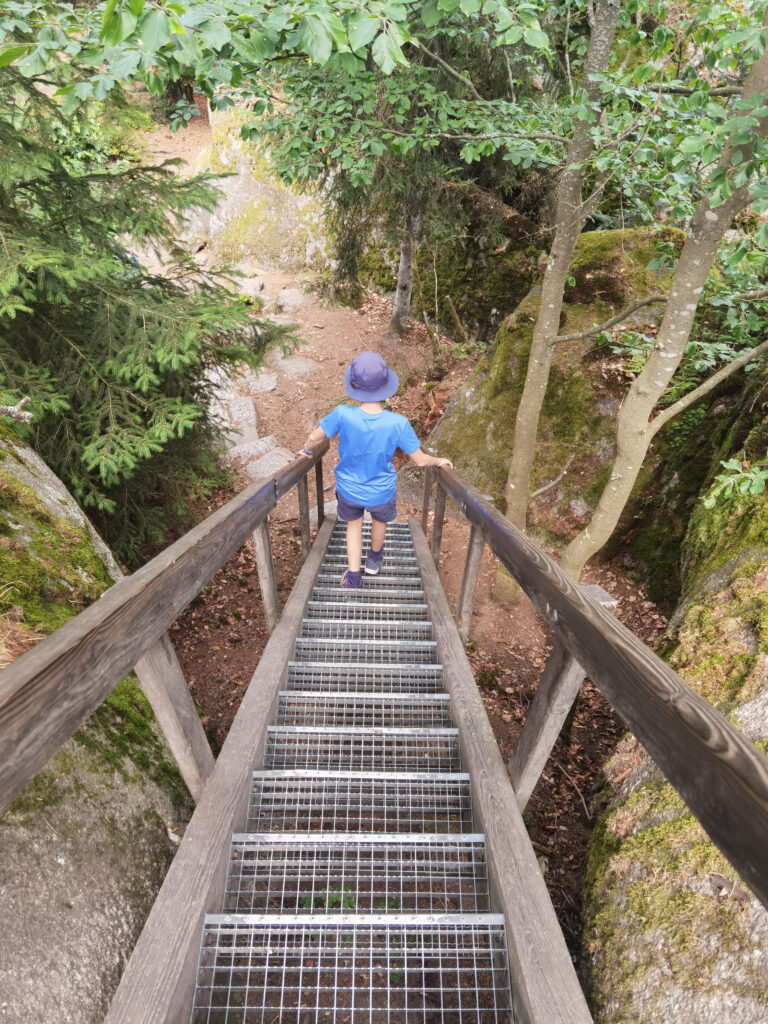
(437, 523)
(265, 566)
(303, 490)
(162, 681)
(557, 690)
(319, 493)
(428, 476)
(469, 582)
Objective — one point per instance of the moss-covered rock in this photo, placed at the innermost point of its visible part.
(660, 941)
(86, 845)
(258, 218)
(609, 270)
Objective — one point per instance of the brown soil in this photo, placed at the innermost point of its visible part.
(221, 635)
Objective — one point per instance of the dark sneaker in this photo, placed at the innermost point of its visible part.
(373, 561)
(352, 580)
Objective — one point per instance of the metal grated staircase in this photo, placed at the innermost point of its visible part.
(359, 890)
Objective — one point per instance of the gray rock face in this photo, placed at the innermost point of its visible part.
(84, 849)
(290, 299)
(269, 464)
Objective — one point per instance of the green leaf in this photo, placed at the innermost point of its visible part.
(214, 33)
(536, 38)
(430, 14)
(693, 144)
(387, 53)
(10, 54)
(155, 29)
(362, 29)
(118, 27)
(315, 39)
(469, 6)
(126, 64)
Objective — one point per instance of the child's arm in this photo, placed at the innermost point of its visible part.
(317, 435)
(420, 458)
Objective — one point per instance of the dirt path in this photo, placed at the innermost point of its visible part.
(221, 635)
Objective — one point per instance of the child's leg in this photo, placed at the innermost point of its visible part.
(378, 532)
(354, 544)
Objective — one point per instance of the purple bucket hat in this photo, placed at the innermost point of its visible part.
(369, 379)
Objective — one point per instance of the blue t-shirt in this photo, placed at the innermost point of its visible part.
(367, 441)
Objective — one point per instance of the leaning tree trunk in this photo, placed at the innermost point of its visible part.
(636, 426)
(402, 304)
(570, 218)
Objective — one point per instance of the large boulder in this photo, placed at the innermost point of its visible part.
(670, 931)
(577, 429)
(85, 847)
(258, 220)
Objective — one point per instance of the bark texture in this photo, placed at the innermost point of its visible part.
(402, 304)
(636, 425)
(569, 221)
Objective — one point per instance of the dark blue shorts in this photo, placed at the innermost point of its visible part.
(348, 511)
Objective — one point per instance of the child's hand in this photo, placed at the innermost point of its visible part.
(444, 463)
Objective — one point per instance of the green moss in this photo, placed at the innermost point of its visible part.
(646, 901)
(122, 735)
(48, 566)
(42, 792)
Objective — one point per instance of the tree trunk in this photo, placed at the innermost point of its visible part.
(636, 426)
(402, 304)
(569, 222)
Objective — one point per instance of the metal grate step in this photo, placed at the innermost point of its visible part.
(330, 590)
(393, 529)
(361, 677)
(401, 567)
(328, 577)
(375, 749)
(311, 969)
(330, 649)
(310, 801)
(371, 611)
(406, 546)
(360, 629)
(363, 709)
(342, 873)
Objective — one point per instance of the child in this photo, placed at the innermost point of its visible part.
(365, 476)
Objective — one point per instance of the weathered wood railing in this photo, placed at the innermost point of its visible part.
(46, 694)
(722, 777)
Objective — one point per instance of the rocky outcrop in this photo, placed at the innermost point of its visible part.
(670, 931)
(257, 218)
(84, 849)
(577, 430)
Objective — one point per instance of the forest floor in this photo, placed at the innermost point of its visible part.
(221, 635)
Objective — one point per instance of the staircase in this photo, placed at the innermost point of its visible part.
(358, 891)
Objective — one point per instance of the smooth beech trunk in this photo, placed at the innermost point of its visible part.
(570, 217)
(636, 423)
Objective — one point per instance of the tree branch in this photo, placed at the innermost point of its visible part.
(613, 321)
(718, 90)
(759, 293)
(15, 412)
(553, 483)
(447, 67)
(693, 396)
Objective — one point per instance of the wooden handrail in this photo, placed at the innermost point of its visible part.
(46, 694)
(722, 777)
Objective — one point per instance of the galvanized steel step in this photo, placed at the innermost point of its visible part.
(400, 968)
(346, 801)
(369, 592)
(362, 629)
(371, 611)
(330, 676)
(390, 567)
(371, 748)
(326, 578)
(330, 649)
(338, 873)
(364, 709)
